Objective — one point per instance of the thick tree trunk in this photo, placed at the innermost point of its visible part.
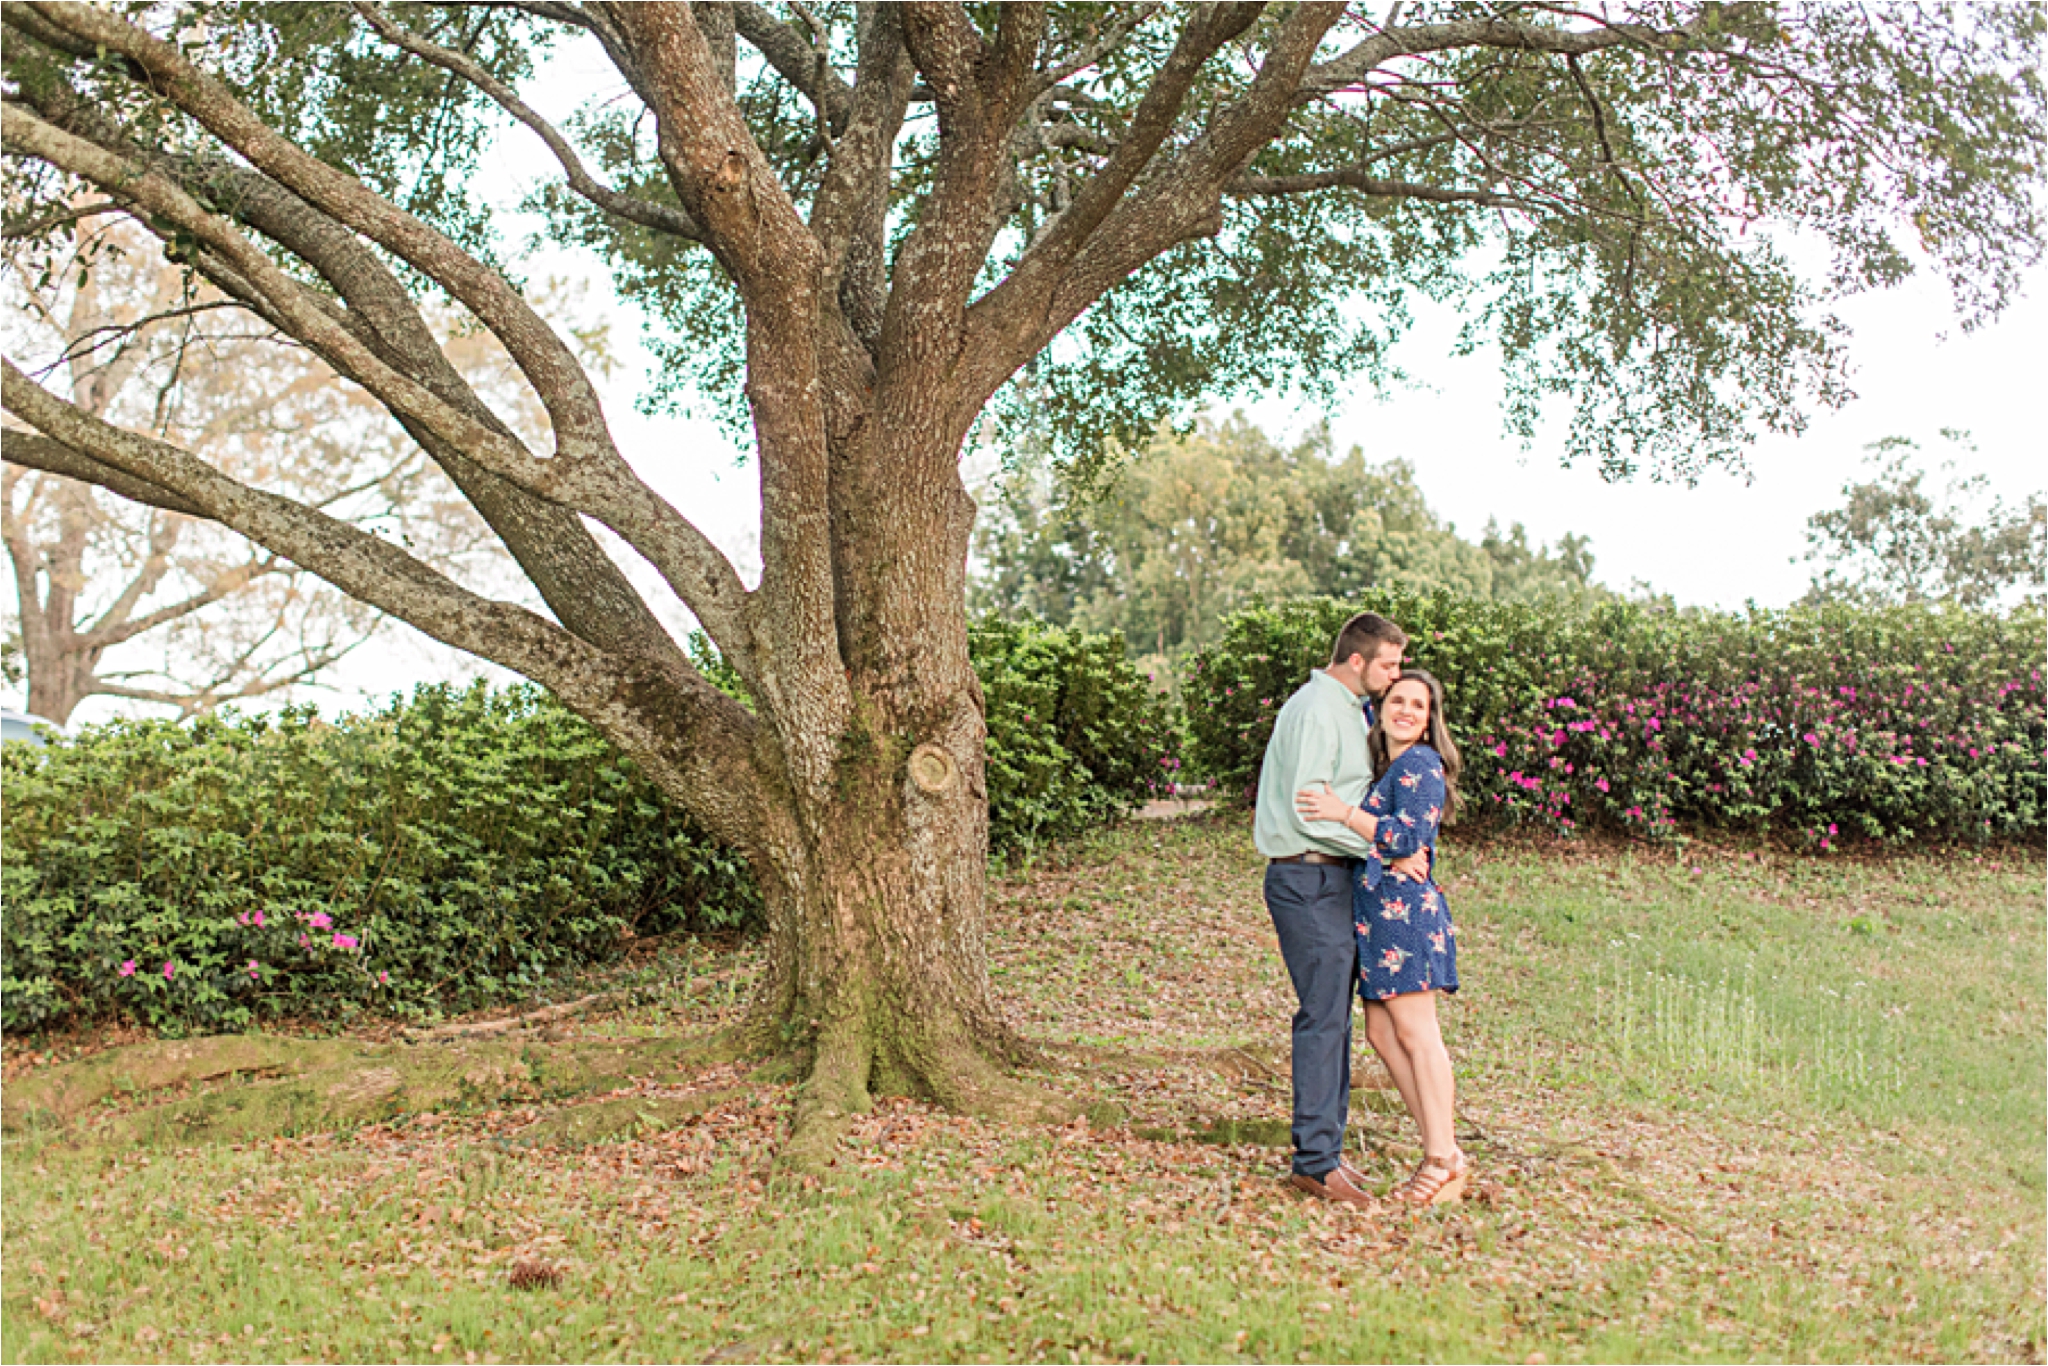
(877, 913)
(876, 881)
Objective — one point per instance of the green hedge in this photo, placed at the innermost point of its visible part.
(1889, 725)
(1075, 734)
(444, 852)
(447, 851)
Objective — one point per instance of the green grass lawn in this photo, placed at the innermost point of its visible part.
(1723, 1105)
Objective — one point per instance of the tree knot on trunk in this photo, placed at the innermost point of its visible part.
(933, 770)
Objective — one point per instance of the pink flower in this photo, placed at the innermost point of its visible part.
(169, 968)
(1654, 724)
(1748, 756)
(1810, 738)
(254, 969)
(383, 978)
(259, 919)
(345, 941)
(319, 920)
(127, 969)
(1502, 749)
(1600, 783)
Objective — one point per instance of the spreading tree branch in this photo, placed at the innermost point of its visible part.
(601, 485)
(559, 381)
(794, 55)
(753, 227)
(700, 737)
(34, 451)
(850, 216)
(1113, 231)
(645, 212)
(1349, 69)
(57, 218)
(1356, 178)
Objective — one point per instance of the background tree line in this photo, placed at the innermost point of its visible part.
(1164, 543)
(1191, 528)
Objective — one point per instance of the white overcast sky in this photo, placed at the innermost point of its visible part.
(1726, 541)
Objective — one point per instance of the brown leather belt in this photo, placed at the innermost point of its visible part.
(1312, 856)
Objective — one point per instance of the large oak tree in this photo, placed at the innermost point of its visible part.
(877, 225)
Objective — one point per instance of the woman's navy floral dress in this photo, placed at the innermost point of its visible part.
(1405, 939)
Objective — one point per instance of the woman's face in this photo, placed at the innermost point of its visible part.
(1405, 713)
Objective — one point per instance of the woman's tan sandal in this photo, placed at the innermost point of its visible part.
(1436, 1182)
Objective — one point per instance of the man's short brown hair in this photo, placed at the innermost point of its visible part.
(1363, 635)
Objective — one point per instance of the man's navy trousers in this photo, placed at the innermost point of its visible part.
(1311, 908)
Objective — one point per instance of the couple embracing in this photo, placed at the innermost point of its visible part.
(1358, 777)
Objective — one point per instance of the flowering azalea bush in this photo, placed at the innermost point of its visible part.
(1881, 724)
(439, 854)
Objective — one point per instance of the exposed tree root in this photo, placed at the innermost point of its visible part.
(851, 1065)
(528, 1020)
(835, 1091)
(299, 1086)
(239, 1087)
(62, 1094)
(972, 1086)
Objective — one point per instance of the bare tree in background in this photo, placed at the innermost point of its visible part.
(117, 599)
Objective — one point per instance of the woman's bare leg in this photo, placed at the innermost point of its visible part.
(1416, 1033)
(1385, 1041)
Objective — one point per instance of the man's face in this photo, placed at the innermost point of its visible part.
(1382, 670)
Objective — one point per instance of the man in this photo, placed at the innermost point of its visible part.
(1319, 738)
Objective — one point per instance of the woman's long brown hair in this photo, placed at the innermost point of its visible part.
(1437, 737)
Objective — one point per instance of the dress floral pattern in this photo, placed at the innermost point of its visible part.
(1406, 942)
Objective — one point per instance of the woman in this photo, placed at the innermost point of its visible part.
(1407, 949)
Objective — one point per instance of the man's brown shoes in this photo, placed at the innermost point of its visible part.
(1336, 1184)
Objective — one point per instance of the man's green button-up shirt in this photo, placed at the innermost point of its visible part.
(1319, 737)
